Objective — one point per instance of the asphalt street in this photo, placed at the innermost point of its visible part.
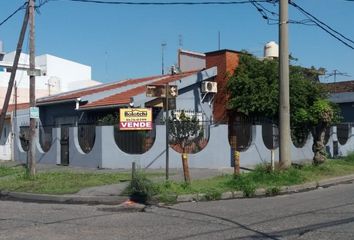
(320, 214)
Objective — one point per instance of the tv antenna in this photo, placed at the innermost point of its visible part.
(336, 73)
(180, 41)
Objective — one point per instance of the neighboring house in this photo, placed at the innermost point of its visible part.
(6, 140)
(56, 75)
(342, 93)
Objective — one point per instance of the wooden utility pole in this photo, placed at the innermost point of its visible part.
(167, 131)
(14, 70)
(284, 102)
(32, 93)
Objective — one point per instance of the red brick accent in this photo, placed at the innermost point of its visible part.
(226, 61)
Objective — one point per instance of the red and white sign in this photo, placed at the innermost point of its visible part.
(135, 119)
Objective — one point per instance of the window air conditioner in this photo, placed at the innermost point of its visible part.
(209, 87)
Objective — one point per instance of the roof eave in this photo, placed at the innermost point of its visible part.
(56, 102)
(103, 107)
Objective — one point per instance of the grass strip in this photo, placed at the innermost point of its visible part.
(261, 177)
(6, 171)
(59, 182)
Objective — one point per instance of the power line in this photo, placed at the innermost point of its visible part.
(275, 21)
(168, 3)
(307, 13)
(337, 35)
(23, 6)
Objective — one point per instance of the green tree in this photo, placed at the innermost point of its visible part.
(185, 131)
(254, 91)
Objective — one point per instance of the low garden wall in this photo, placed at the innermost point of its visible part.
(105, 153)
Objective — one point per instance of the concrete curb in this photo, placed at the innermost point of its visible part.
(263, 192)
(62, 199)
(116, 200)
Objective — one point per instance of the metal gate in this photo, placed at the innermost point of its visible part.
(64, 146)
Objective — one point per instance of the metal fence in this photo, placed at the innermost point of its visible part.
(45, 137)
(343, 132)
(24, 137)
(134, 142)
(299, 136)
(86, 136)
(240, 135)
(189, 137)
(270, 135)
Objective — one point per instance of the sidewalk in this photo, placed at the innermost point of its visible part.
(111, 194)
(107, 194)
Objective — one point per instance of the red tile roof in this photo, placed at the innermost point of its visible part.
(340, 87)
(87, 91)
(19, 106)
(124, 97)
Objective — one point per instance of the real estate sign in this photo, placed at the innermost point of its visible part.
(135, 119)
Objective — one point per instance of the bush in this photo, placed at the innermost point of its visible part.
(212, 194)
(272, 191)
(141, 189)
(167, 198)
(243, 183)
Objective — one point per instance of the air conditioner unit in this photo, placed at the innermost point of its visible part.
(209, 87)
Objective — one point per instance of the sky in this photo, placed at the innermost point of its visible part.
(121, 42)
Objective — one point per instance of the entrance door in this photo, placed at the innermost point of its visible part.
(64, 146)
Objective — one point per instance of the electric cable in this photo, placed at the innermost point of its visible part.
(23, 6)
(324, 26)
(167, 3)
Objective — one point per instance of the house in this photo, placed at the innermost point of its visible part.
(72, 129)
(342, 93)
(6, 140)
(56, 75)
(88, 106)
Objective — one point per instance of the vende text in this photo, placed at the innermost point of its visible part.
(135, 125)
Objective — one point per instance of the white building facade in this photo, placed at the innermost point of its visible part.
(57, 75)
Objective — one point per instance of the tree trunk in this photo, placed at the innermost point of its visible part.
(186, 174)
(318, 146)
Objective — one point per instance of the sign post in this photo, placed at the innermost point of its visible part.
(167, 92)
(167, 133)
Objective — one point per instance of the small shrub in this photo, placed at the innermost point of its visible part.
(185, 185)
(141, 189)
(243, 183)
(212, 194)
(167, 198)
(349, 158)
(272, 191)
(27, 176)
(248, 189)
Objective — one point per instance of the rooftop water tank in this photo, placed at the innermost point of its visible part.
(271, 50)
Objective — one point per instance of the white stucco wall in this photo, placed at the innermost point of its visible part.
(67, 71)
(58, 75)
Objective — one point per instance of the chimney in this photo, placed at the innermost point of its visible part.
(226, 61)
